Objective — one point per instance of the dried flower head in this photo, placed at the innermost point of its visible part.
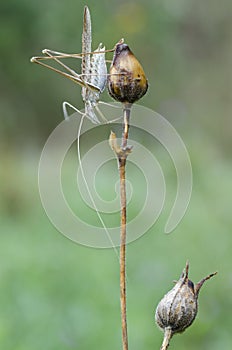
(127, 82)
(178, 308)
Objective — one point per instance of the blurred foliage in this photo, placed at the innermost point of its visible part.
(58, 295)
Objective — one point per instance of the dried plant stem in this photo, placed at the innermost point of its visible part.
(126, 125)
(122, 173)
(167, 337)
(122, 153)
(123, 253)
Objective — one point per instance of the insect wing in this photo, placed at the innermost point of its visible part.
(98, 75)
(86, 47)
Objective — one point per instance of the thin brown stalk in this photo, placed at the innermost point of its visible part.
(167, 337)
(122, 173)
(122, 164)
(122, 153)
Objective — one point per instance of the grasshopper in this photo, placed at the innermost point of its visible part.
(92, 79)
(93, 75)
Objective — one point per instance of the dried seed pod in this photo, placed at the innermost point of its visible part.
(178, 308)
(127, 82)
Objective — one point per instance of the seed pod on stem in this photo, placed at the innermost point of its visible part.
(178, 308)
(127, 82)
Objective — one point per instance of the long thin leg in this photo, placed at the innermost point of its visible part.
(75, 74)
(73, 78)
(66, 104)
(110, 105)
(62, 54)
(101, 114)
(58, 54)
(77, 78)
(65, 112)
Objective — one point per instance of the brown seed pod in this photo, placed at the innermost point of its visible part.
(178, 308)
(127, 82)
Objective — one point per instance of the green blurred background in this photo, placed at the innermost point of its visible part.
(55, 294)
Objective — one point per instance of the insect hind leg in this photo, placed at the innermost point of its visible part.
(65, 106)
(115, 106)
(89, 112)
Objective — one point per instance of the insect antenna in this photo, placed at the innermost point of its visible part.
(88, 189)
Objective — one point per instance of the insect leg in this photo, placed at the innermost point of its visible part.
(66, 104)
(48, 52)
(62, 54)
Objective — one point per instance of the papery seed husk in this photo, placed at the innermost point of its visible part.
(177, 309)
